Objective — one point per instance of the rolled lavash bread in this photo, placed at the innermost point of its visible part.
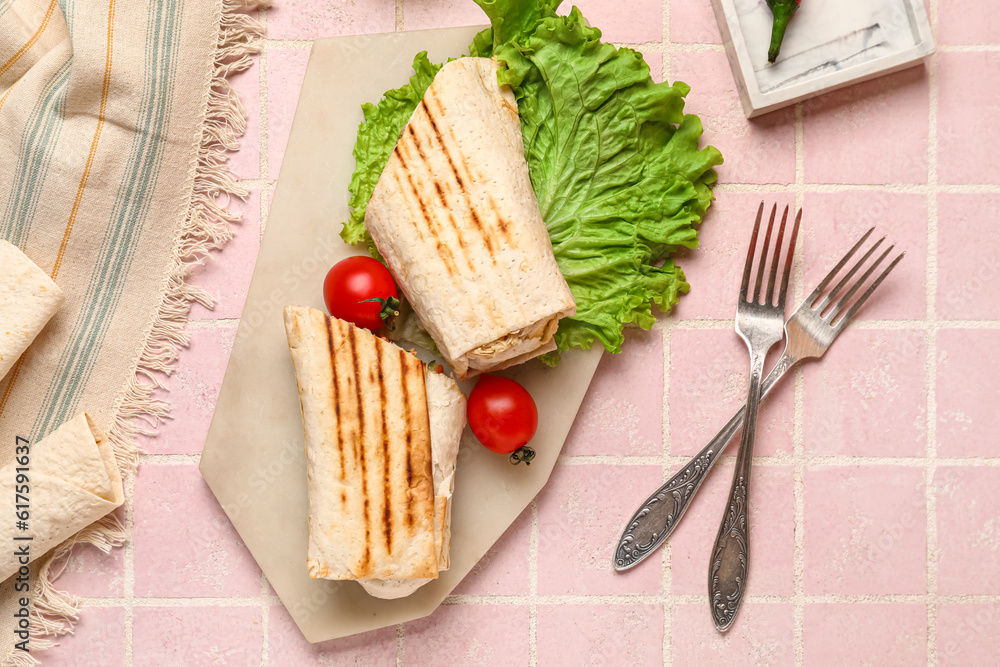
(72, 479)
(28, 300)
(456, 220)
(446, 408)
(379, 490)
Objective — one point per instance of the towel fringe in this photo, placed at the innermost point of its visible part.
(206, 227)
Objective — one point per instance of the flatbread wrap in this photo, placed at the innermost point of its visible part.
(455, 217)
(28, 300)
(72, 479)
(381, 435)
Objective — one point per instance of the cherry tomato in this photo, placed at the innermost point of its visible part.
(502, 414)
(355, 280)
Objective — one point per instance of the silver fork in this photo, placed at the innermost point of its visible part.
(760, 325)
(808, 334)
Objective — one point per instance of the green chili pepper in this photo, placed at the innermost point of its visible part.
(782, 11)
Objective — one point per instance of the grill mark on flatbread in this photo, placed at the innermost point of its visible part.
(409, 440)
(415, 137)
(447, 257)
(387, 486)
(352, 342)
(501, 223)
(398, 152)
(336, 399)
(484, 233)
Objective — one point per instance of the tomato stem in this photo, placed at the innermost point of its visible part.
(390, 307)
(523, 453)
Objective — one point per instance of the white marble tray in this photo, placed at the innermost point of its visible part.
(828, 45)
(254, 456)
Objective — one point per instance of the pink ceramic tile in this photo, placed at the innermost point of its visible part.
(642, 21)
(761, 635)
(592, 634)
(715, 268)
(772, 532)
(288, 648)
(868, 395)
(873, 132)
(967, 392)
(967, 22)
(761, 150)
(504, 568)
(245, 163)
(623, 410)
(309, 19)
(192, 390)
(581, 513)
(968, 272)
(865, 530)
(194, 636)
(865, 634)
(693, 22)
(708, 383)
(655, 62)
(428, 14)
(285, 70)
(90, 572)
(98, 640)
(968, 527)
(967, 634)
(184, 544)
(226, 275)
(469, 635)
(833, 222)
(968, 97)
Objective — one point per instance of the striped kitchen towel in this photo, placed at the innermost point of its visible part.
(115, 118)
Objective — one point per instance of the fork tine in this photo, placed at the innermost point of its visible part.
(864, 297)
(788, 260)
(777, 256)
(753, 244)
(763, 255)
(857, 285)
(830, 276)
(847, 278)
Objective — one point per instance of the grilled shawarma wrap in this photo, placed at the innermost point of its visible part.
(382, 435)
(456, 219)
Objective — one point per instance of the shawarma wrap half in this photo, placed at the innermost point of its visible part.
(72, 481)
(382, 434)
(28, 300)
(455, 217)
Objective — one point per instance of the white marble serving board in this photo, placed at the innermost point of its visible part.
(828, 45)
(254, 456)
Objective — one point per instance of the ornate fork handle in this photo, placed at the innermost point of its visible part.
(657, 517)
(727, 574)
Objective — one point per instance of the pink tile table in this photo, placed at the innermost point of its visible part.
(876, 507)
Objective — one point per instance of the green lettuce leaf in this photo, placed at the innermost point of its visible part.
(377, 136)
(614, 163)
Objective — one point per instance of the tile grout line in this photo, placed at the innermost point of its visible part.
(798, 420)
(469, 599)
(128, 586)
(666, 583)
(533, 586)
(263, 134)
(931, 372)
